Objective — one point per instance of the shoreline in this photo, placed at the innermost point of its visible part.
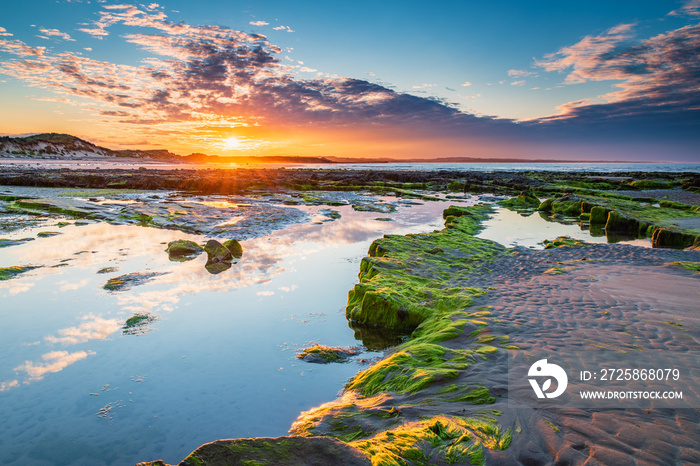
(469, 304)
(442, 396)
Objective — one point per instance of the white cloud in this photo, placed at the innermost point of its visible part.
(518, 83)
(466, 84)
(3, 32)
(283, 28)
(259, 23)
(56, 34)
(54, 361)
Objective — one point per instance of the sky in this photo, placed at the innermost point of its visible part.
(595, 80)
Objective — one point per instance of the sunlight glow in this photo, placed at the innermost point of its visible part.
(232, 143)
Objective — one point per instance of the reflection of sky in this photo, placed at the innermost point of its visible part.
(513, 229)
(220, 361)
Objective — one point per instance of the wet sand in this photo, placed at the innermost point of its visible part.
(620, 298)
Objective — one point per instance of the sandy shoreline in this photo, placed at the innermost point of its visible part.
(445, 391)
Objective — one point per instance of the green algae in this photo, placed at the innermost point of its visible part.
(326, 354)
(564, 241)
(687, 265)
(234, 247)
(526, 200)
(451, 439)
(183, 250)
(128, 281)
(406, 279)
(7, 273)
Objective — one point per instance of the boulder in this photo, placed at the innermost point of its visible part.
(235, 248)
(217, 252)
(619, 223)
(665, 238)
(183, 250)
(599, 215)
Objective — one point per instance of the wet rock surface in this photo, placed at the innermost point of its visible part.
(289, 451)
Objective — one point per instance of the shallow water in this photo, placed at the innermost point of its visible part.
(531, 229)
(217, 361)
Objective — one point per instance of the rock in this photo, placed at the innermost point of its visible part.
(290, 451)
(217, 267)
(546, 205)
(183, 250)
(13, 242)
(320, 354)
(130, 280)
(217, 252)
(599, 215)
(234, 247)
(525, 200)
(665, 238)
(619, 223)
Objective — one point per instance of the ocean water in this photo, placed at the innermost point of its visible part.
(593, 168)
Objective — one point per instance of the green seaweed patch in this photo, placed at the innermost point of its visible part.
(130, 280)
(104, 270)
(384, 219)
(686, 265)
(448, 439)
(4, 242)
(564, 241)
(412, 368)
(137, 324)
(374, 207)
(7, 273)
(406, 279)
(526, 200)
(321, 354)
(183, 250)
(47, 234)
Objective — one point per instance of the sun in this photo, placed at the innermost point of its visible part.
(232, 143)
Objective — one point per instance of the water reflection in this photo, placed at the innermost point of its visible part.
(221, 359)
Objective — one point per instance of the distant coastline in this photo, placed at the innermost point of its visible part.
(65, 147)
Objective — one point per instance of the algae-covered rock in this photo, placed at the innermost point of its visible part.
(288, 451)
(599, 215)
(619, 223)
(13, 242)
(665, 238)
(234, 247)
(130, 280)
(524, 200)
(137, 324)
(183, 250)
(217, 252)
(455, 211)
(320, 354)
(564, 241)
(546, 205)
(7, 273)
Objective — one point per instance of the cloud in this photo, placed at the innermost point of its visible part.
(94, 328)
(659, 74)
(3, 32)
(466, 84)
(201, 77)
(283, 28)
(56, 34)
(518, 83)
(690, 8)
(4, 386)
(259, 23)
(54, 361)
(520, 73)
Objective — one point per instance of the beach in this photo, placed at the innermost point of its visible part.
(441, 318)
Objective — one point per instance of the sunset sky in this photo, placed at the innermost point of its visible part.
(596, 80)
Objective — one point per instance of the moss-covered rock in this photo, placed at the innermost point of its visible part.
(665, 238)
(564, 241)
(320, 354)
(217, 252)
(618, 223)
(524, 200)
(599, 215)
(183, 250)
(263, 451)
(130, 280)
(234, 247)
(7, 273)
